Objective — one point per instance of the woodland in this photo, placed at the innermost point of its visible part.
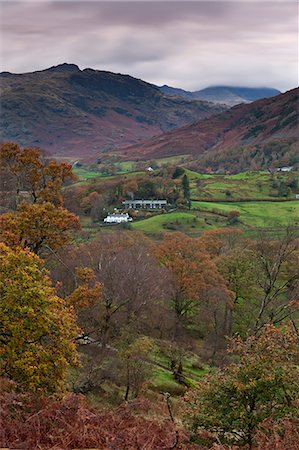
(114, 338)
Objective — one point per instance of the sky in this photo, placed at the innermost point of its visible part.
(184, 44)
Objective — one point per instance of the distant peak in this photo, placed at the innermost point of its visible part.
(5, 74)
(251, 88)
(65, 67)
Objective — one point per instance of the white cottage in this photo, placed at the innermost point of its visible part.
(118, 218)
(285, 169)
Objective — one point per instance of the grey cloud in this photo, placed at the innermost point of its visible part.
(186, 44)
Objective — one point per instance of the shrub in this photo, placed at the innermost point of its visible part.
(262, 385)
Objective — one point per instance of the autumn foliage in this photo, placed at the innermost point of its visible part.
(193, 271)
(37, 329)
(26, 170)
(38, 226)
(26, 422)
(30, 422)
(153, 316)
(261, 385)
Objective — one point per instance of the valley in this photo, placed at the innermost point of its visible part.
(250, 136)
(263, 200)
(149, 264)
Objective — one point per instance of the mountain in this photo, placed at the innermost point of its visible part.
(79, 113)
(228, 95)
(247, 135)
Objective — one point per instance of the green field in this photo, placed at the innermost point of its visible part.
(171, 159)
(192, 223)
(257, 214)
(242, 186)
(239, 187)
(208, 215)
(162, 377)
(214, 196)
(125, 166)
(85, 174)
(157, 223)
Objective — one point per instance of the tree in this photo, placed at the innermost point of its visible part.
(262, 275)
(192, 270)
(263, 384)
(37, 329)
(55, 175)
(38, 227)
(278, 268)
(88, 290)
(238, 266)
(199, 294)
(134, 357)
(233, 217)
(178, 171)
(41, 180)
(93, 205)
(132, 283)
(186, 189)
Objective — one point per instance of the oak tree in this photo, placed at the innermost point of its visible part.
(262, 384)
(26, 170)
(37, 328)
(38, 227)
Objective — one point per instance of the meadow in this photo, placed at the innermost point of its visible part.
(263, 199)
(241, 186)
(208, 215)
(192, 223)
(257, 214)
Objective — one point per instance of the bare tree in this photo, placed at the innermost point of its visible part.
(278, 264)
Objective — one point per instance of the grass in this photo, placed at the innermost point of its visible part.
(171, 159)
(162, 380)
(242, 186)
(155, 224)
(162, 377)
(209, 189)
(258, 214)
(192, 223)
(193, 176)
(203, 217)
(85, 174)
(125, 166)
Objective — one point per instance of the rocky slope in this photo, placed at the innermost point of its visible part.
(80, 113)
(221, 139)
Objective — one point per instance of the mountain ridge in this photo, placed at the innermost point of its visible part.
(229, 95)
(72, 112)
(246, 128)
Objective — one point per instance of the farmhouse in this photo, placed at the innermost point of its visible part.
(285, 169)
(118, 218)
(148, 204)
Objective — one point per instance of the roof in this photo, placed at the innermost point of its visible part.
(145, 201)
(120, 215)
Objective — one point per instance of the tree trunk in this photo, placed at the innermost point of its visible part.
(128, 385)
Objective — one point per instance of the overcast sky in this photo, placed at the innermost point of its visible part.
(183, 44)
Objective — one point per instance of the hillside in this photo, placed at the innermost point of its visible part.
(228, 95)
(79, 113)
(250, 136)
